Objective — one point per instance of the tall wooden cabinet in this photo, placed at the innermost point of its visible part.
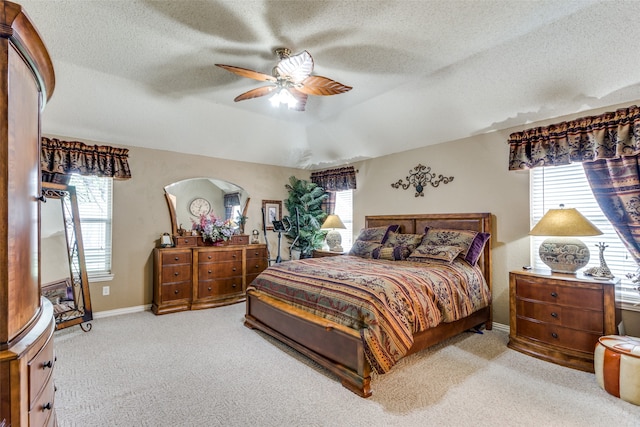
(26, 320)
(204, 276)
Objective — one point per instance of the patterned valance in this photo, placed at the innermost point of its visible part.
(340, 179)
(66, 157)
(607, 136)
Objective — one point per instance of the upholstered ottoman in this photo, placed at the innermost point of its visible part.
(617, 366)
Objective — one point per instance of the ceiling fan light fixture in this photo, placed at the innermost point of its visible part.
(283, 96)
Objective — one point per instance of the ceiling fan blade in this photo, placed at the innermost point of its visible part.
(318, 85)
(300, 97)
(244, 72)
(255, 93)
(297, 67)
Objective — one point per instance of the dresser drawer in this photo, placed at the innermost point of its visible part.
(586, 320)
(176, 273)
(253, 253)
(186, 241)
(219, 256)
(42, 412)
(558, 336)
(169, 258)
(256, 266)
(220, 270)
(563, 295)
(220, 287)
(40, 370)
(175, 291)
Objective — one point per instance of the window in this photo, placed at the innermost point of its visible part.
(344, 209)
(568, 185)
(94, 204)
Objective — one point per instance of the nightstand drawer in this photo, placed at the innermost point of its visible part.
(564, 295)
(586, 320)
(558, 335)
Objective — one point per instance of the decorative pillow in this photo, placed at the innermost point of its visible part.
(364, 249)
(430, 252)
(470, 242)
(376, 234)
(401, 246)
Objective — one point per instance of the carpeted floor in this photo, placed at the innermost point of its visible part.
(204, 368)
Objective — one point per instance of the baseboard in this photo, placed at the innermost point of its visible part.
(501, 327)
(119, 311)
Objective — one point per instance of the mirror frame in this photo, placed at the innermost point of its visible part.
(75, 248)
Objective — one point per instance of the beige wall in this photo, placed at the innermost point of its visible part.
(481, 183)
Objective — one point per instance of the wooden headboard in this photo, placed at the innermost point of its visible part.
(415, 224)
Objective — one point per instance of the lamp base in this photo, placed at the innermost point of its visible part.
(564, 254)
(334, 241)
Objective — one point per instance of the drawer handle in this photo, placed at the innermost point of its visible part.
(257, 266)
(554, 314)
(176, 292)
(209, 271)
(256, 254)
(234, 285)
(176, 273)
(47, 364)
(233, 256)
(554, 294)
(177, 258)
(209, 288)
(47, 406)
(209, 257)
(234, 269)
(554, 335)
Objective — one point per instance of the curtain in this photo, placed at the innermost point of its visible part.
(340, 179)
(616, 186)
(607, 146)
(59, 159)
(332, 180)
(230, 200)
(607, 136)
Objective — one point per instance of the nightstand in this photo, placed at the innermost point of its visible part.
(319, 253)
(559, 317)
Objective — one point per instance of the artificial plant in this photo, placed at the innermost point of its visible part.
(304, 205)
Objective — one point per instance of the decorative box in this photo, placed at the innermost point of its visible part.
(185, 241)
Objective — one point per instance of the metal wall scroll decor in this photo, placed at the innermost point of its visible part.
(419, 177)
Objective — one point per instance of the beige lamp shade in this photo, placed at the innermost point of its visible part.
(334, 239)
(332, 221)
(562, 251)
(564, 222)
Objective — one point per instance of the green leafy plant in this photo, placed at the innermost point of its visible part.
(304, 205)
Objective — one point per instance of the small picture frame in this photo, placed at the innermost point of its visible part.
(272, 212)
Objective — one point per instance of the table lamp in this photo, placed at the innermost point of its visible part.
(333, 236)
(562, 251)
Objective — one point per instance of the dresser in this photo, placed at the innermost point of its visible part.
(204, 276)
(559, 317)
(27, 353)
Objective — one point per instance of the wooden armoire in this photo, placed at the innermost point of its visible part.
(27, 358)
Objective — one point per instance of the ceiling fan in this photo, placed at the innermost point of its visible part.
(291, 80)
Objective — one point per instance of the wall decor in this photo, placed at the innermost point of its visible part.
(272, 211)
(419, 177)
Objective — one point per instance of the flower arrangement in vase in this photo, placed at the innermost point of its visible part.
(212, 229)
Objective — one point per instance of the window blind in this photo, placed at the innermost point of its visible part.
(568, 185)
(344, 209)
(95, 207)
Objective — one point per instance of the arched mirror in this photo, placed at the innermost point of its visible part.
(63, 275)
(189, 197)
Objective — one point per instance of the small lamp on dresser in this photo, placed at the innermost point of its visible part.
(334, 239)
(562, 251)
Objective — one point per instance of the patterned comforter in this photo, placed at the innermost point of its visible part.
(387, 301)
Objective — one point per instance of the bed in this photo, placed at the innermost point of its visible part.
(348, 348)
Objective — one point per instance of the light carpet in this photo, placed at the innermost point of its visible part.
(205, 368)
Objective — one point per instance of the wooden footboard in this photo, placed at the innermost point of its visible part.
(333, 346)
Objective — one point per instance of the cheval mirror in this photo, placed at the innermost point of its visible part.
(63, 274)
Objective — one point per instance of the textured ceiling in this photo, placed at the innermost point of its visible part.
(141, 72)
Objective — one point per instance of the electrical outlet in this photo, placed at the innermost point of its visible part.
(105, 290)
